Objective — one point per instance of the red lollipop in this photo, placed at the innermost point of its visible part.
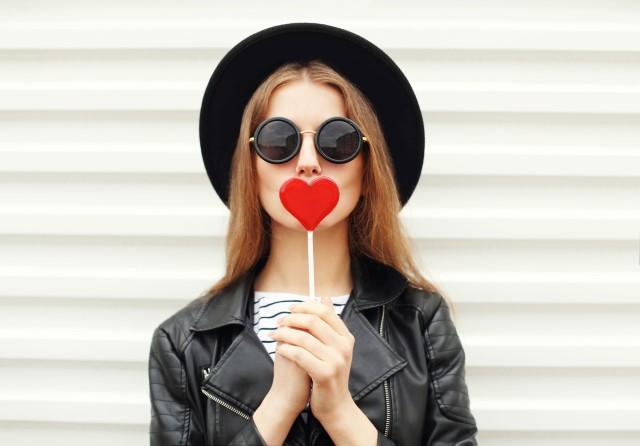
(310, 204)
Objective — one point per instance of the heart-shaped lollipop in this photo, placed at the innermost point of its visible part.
(309, 203)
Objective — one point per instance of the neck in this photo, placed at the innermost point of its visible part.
(286, 268)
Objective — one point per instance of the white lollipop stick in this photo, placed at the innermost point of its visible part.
(312, 285)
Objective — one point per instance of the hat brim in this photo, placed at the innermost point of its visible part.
(248, 63)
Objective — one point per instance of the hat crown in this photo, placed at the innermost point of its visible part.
(245, 66)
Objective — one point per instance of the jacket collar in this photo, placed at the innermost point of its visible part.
(243, 375)
(374, 283)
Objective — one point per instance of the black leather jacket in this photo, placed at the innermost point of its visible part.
(208, 371)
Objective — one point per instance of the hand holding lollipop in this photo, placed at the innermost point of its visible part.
(314, 336)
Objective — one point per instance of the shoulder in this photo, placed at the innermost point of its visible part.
(445, 354)
(427, 303)
(175, 328)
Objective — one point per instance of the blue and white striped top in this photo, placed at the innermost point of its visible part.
(269, 306)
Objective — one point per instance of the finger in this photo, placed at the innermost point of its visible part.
(316, 326)
(328, 314)
(305, 340)
(314, 367)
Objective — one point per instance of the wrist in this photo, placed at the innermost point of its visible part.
(348, 425)
(276, 405)
(273, 420)
(340, 414)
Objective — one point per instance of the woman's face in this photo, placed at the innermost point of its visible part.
(308, 104)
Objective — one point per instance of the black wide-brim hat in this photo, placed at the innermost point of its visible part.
(250, 61)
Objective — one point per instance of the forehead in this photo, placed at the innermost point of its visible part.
(306, 103)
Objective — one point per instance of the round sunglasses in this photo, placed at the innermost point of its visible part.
(278, 139)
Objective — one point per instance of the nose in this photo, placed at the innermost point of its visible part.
(308, 157)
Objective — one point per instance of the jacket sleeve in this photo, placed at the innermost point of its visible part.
(172, 419)
(449, 418)
(449, 421)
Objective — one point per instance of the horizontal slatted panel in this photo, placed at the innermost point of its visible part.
(527, 213)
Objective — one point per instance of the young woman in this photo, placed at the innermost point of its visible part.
(378, 360)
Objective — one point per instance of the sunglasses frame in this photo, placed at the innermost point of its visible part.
(361, 138)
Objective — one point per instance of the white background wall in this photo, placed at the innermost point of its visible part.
(528, 213)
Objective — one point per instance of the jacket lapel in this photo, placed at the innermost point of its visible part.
(243, 375)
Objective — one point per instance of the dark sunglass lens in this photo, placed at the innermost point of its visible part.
(338, 140)
(277, 140)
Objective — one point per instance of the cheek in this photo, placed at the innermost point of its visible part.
(350, 182)
(270, 179)
(352, 179)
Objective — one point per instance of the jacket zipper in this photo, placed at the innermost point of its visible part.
(222, 402)
(387, 399)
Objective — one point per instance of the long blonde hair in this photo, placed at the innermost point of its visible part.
(375, 228)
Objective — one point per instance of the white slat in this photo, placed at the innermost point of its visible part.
(527, 213)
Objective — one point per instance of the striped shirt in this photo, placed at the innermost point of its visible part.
(269, 306)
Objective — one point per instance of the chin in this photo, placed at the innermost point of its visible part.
(286, 220)
(332, 221)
